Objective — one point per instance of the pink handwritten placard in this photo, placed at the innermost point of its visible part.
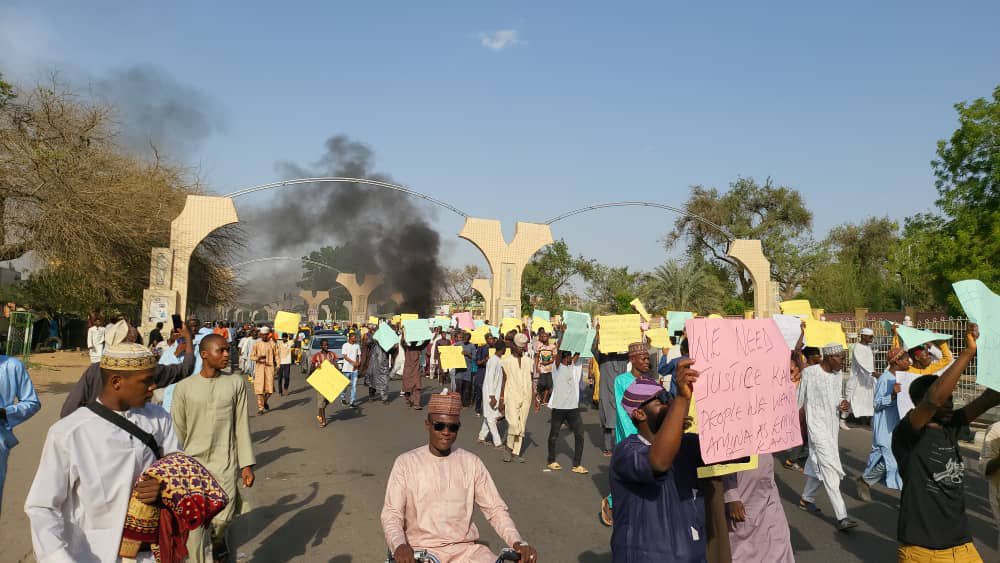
(464, 320)
(746, 402)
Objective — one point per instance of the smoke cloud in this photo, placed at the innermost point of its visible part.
(154, 110)
(383, 231)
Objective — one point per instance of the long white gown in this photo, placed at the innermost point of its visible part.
(78, 500)
(861, 384)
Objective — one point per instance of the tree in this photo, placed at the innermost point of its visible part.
(690, 286)
(546, 277)
(334, 260)
(776, 215)
(962, 241)
(609, 287)
(860, 272)
(6, 92)
(455, 285)
(89, 211)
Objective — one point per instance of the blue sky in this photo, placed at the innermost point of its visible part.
(521, 110)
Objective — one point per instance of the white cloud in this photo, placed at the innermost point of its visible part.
(500, 39)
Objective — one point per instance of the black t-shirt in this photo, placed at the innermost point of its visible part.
(932, 504)
(155, 336)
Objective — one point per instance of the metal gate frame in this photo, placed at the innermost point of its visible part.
(19, 334)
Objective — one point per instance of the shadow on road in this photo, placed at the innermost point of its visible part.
(248, 526)
(273, 455)
(308, 526)
(591, 557)
(289, 404)
(263, 436)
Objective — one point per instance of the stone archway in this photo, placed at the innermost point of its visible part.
(168, 278)
(201, 215)
(506, 261)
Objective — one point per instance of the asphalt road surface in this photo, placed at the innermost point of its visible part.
(319, 491)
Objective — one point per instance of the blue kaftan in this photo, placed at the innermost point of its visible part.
(14, 384)
(884, 421)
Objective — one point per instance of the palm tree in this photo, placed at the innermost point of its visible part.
(683, 287)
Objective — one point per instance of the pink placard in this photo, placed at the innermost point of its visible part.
(746, 402)
(465, 321)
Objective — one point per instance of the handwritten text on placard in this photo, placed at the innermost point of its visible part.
(746, 400)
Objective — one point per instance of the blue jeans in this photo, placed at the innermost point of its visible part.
(353, 376)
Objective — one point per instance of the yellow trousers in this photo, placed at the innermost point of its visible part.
(965, 553)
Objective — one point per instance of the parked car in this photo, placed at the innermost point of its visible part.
(335, 342)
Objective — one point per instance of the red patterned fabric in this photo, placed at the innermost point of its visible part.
(190, 498)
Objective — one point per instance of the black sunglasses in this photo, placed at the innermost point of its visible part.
(440, 426)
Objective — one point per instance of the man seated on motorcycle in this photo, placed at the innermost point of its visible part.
(431, 492)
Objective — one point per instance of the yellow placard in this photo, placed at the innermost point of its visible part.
(478, 336)
(286, 322)
(328, 381)
(540, 323)
(492, 352)
(658, 337)
(396, 319)
(798, 307)
(821, 333)
(693, 414)
(409, 317)
(617, 332)
(640, 308)
(373, 320)
(720, 469)
(508, 324)
(715, 316)
(452, 357)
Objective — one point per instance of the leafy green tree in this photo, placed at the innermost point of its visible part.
(962, 241)
(776, 215)
(609, 286)
(546, 279)
(860, 272)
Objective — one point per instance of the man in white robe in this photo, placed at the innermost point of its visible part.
(820, 397)
(95, 340)
(79, 497)
(492, 387)
(861, 384)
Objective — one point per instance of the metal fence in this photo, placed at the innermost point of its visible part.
(965, 391)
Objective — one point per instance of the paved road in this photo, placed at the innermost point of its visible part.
(319, 491)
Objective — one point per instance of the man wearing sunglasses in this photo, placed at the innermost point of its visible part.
(431, 492)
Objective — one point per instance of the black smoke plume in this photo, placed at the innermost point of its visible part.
(156, 111)
(384, 231)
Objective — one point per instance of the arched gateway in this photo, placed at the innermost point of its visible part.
(167, 292)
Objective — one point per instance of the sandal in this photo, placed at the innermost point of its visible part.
(580, 470)
(809, 507)
(606, 514)
(554, 466)
(321, 421)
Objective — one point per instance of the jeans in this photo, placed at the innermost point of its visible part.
(284, 378)
(353, 376)
(464, 388)
(572, 419)
(477, 392)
